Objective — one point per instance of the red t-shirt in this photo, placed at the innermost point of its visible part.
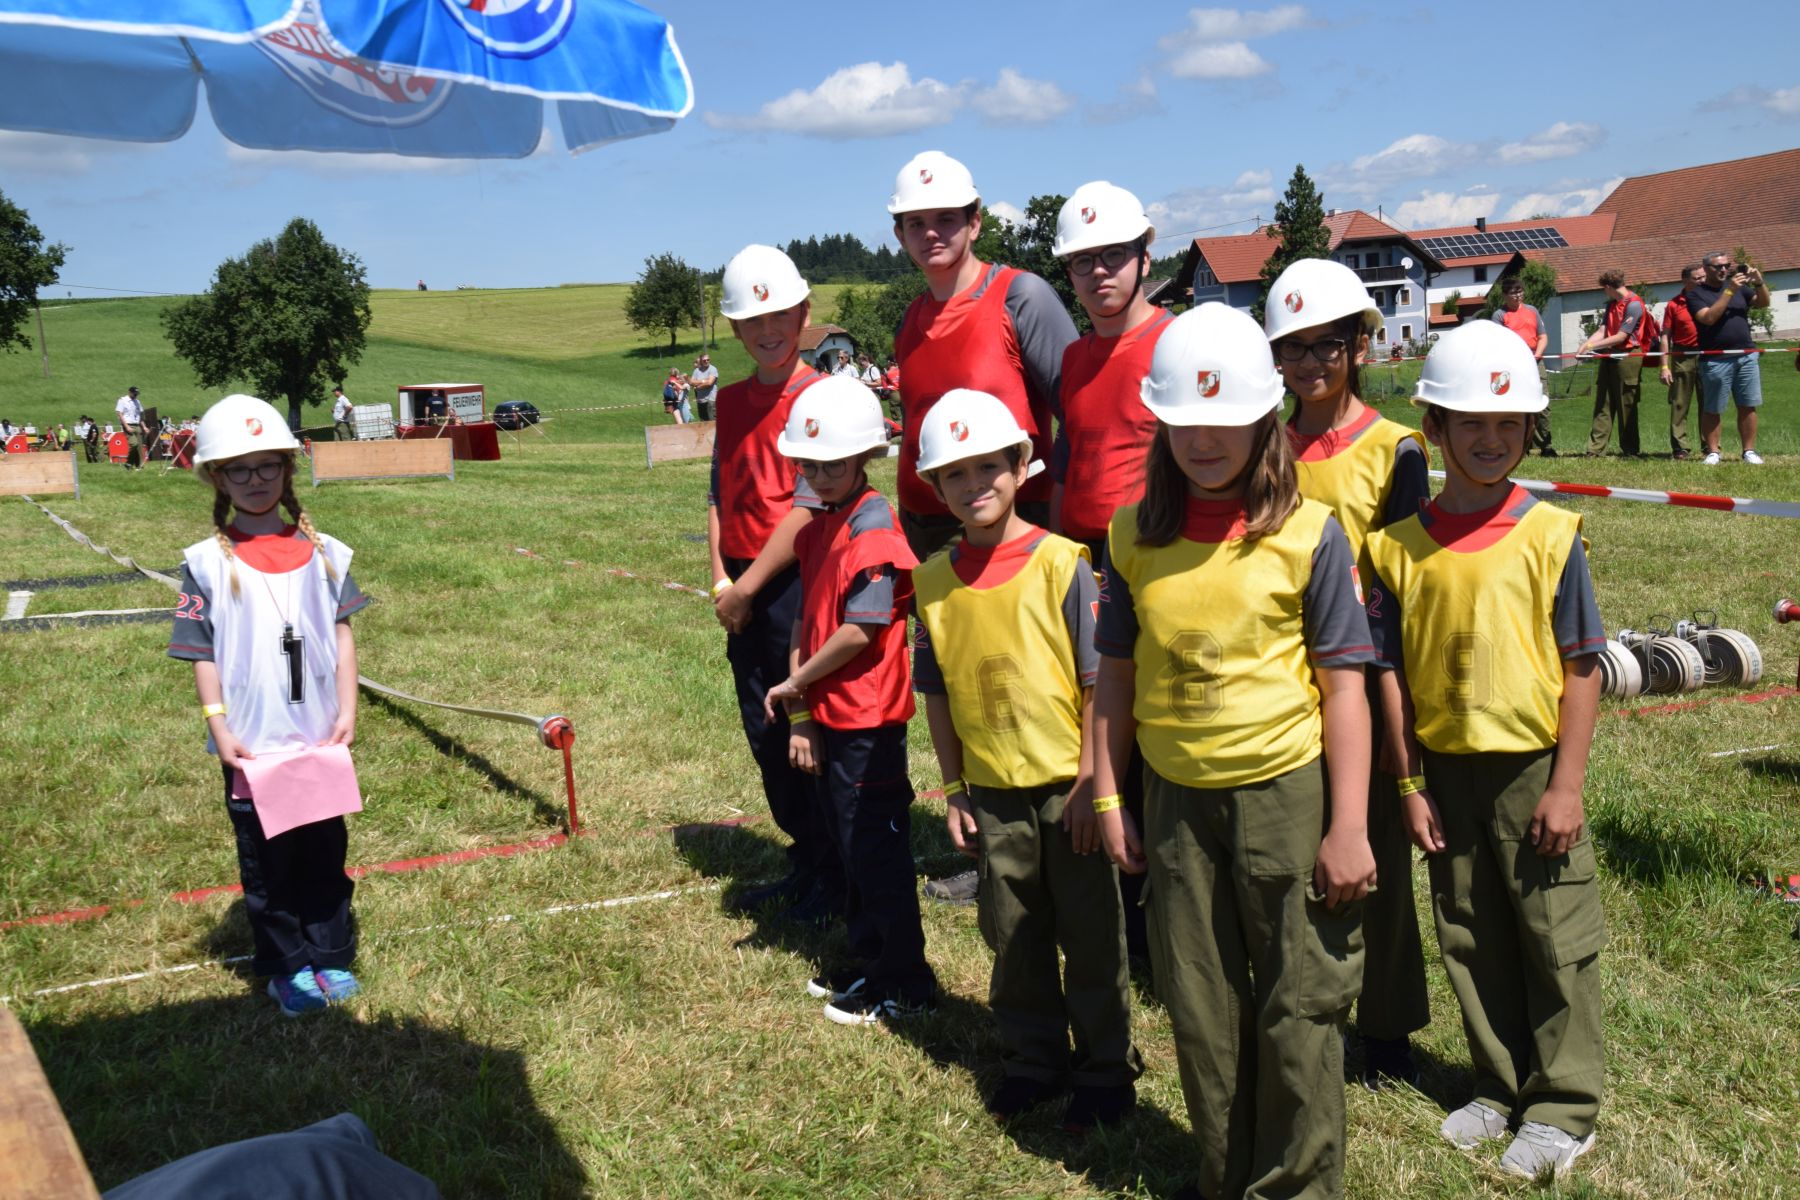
(755, 485)
(1106, 426)
(874, 688)
(1678, 322)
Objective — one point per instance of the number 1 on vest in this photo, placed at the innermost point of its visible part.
(292, 648)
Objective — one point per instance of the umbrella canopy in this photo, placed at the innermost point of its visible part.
(431, 78)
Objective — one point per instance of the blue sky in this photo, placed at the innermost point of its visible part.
(804, 113)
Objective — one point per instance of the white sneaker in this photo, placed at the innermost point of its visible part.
(1711, 459)
(1539, 1148)
(1753, 458)
(1471, 1125)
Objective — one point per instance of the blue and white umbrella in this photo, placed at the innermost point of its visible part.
(431, 78)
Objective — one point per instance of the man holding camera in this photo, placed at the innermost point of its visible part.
(1721, 305)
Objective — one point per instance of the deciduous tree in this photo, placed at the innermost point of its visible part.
(668, 295)
(26, 267)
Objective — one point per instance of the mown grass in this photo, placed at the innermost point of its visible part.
(663, 1048)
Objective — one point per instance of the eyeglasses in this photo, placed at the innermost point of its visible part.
(1112, 258)
(1326, 351)
(266, 472)
(812, 469)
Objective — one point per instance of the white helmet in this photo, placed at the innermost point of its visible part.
(932, 180)
(834, 418)
(1100, 214)
(1316, 291)
(1481, 367)
(1213, 366)
(758, 280)
(964, 423)
(241, 424)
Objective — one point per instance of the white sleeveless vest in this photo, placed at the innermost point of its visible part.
(268, 704)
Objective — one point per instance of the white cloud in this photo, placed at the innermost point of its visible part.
(1136, 99)
(1431, 209)
(44, 154)
(1785, 101)
(1781, 102)
(1016, 100)
(866, 100)
(1202, 208)
(1565, 139)
(1012, 214)
(1214, 44)
(1572, 201)
(1415, 155)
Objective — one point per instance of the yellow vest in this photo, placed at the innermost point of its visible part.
(1477, 631)
(1357, 481)
(1225, 692)
(1008, 665)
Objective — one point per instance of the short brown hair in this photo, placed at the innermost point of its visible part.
(1612, 277)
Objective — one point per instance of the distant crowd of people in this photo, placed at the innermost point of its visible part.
(143, 443)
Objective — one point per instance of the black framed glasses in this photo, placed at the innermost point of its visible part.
(1112, 258)
(267, 472)
(813, 469)
(1326, 351)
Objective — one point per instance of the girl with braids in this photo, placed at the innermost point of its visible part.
(264, 617)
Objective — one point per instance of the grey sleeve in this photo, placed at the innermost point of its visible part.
(1412, 483)
(927, 678)
(350, 598)
(1116, 631)
(1384, 623)
(804, 496)
(1634, 312)
(1044, 330)
(1336, 627)
(1575, 616)
(191, 638)
(1079, 607)
(870, 600)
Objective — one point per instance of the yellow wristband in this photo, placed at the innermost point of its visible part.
(1411, 784)
(1105, 804)
(719, 585)
(209, 711)
(953, 787)
(804, 714)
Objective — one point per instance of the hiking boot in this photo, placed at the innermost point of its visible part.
(1091, 1106)
(297, 993)
(1539, 1148)
(865, 1008)
(1015, 1095)
(784, 891)
(954, 889)
(1471, 1125)
(336, 985)
(1388, 1061)
(837, 986)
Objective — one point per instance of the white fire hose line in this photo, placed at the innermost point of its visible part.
(16, 604)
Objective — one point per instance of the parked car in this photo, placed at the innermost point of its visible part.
(515, 414)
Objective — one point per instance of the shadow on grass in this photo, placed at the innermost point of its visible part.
(145, 1088)
(732, 852)
(1447, 1085)
(1783, 769)
(1648, 851)
(449, 747)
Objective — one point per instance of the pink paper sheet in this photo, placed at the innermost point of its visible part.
(298, 787)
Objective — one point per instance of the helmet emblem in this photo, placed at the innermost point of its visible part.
(959, 431)
(1209, 384)
(1499, 382)
(812, 427)
(1087, 216)
(254, 426)
(1293, 302)
(760, 291)
(924, 175)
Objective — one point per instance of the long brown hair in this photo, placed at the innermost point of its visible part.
(1271, 487)
(289, 501)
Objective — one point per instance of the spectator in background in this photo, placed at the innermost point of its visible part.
(131, 420)
(1524, 320)
(1616, 387)
(843, 366)
(869, 374)
(675, 398)
(7, 429)
(1681, 365)
(437, 408)
(341, 410)
(89, 432)
(1721, 306)
(704, 383)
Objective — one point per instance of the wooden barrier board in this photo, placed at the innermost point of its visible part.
(39, 1159)
(45, 474)
(381, 460)
(672, 443)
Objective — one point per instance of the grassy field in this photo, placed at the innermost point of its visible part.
(662, 1048)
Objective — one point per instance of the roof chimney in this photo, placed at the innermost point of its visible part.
(1331, 212)
(1480, 224)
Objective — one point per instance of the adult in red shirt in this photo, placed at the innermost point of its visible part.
(1616, 384)
(1681, 365)
(979, 325)
(1525, 320)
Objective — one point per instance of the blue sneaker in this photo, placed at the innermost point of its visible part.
(338, 985)
(297, 993)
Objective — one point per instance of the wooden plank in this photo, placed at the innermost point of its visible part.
(382, 460)
(39, 1159)
(672, 443)
(46, 474)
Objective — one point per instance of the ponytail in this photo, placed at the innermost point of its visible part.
(310, 531)
(221, 514)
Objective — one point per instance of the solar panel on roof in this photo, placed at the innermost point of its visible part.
(1475, 245)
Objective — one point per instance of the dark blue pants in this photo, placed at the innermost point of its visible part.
(869, 797)
(759, 660)
(295, 891)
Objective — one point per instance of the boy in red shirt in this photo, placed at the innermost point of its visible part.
(849, 697)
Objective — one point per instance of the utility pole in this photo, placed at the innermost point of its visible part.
(43, 346)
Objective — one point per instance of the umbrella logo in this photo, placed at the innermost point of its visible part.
(513, 28)
(760, 291)
(1087, 216)
(1209, 384)
(1293, 302)
(959, 431)
(364, 92)
(924, 175)
(1499, 382)
(812, 427)
(254, 426)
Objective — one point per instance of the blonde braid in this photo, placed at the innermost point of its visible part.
(222, 510)
(291, 502)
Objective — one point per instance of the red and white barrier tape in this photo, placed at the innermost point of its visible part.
(1733, 504)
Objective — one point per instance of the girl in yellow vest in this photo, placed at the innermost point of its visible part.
(1482, 609)
(1371, 472)
(1232, 642)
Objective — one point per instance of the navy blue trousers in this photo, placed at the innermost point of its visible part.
(295, 891)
